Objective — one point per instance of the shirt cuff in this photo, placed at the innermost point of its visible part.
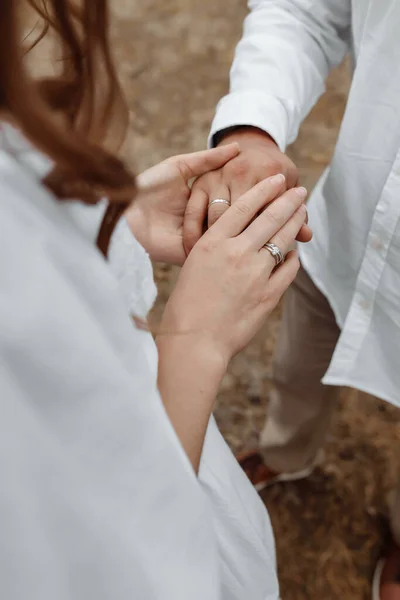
(254, 109)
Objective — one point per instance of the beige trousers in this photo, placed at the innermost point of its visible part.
(301, 408)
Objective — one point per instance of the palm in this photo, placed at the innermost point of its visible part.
(163, 199)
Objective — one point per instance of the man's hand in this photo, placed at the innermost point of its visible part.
(259, 158)
(157, 213)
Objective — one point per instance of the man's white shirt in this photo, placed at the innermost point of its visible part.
(281, 63)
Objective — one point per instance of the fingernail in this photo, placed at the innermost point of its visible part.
(277, 179)
(302, 192)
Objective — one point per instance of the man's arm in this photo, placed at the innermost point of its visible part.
(281, 63)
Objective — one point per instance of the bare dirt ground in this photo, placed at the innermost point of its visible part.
(174, 58)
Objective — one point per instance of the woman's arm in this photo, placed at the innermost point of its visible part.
(189, 375)
(226, 289)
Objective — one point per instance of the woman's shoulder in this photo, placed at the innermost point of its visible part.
(27, 208)
(25, 198)
(26, 204)
(20, 194)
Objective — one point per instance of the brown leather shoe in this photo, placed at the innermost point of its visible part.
(256, 470)
(386, 584)
(261, 476)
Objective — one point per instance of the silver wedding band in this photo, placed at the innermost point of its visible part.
(276, 253)
(219, 201)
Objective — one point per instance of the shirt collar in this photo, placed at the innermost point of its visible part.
(14, 143)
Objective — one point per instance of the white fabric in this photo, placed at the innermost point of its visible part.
(98, 499)
(288, 49)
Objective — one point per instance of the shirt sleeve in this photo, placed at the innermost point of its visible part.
(242, 526)
(281, 64)
(98, 499)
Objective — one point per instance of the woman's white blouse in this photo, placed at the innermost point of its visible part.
(98, 500)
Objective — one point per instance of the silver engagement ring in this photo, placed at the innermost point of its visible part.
(276, 253)
(219, 201)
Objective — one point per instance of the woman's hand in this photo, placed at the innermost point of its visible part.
(156, 216)
(226, 289)
(228, 285)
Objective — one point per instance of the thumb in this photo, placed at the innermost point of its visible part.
(198, 163)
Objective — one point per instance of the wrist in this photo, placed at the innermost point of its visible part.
(260, 150)
(240, 133)
(196, 351)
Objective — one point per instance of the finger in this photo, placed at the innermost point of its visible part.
(292, 176)
(305, 234)
(215, 211)
(285, 238)
(194, 219)
(283, 277)
(274, 217)
(240, 214)
(198, 163)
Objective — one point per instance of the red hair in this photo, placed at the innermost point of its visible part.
(70, 117)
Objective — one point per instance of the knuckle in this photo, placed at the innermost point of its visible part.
(205, 183)
(274, 166)
(177, 162)
(280, 240)
(242, 208)
(239, 168)
(271, 216)
(233, 254)
(284, 165)
(207, 245)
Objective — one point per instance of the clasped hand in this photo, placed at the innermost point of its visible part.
(156, 216)
(228, 284)
(165, 217)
